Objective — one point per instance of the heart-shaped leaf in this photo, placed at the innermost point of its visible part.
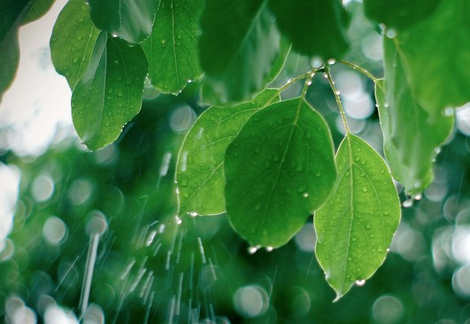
(278, 170)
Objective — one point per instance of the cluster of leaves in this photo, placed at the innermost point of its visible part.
(269, 162)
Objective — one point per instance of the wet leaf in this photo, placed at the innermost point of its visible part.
(316, 28)
(130, 20)
(411, 135)
(399, 14)
(238, 46)
(172, 49)
(355, 227)
(200, 171)
(433, 53)
(110, 92)
(278, 171)
(72, 41)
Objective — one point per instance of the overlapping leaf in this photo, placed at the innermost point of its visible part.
(200, 172)
(411, 135)
(131, 20)
(110, 92)
(278, 170)
(355, 227)
(172, 49)
(72, 41)
(399, 14)
(238, 46)
(316, 28)
(435, 54)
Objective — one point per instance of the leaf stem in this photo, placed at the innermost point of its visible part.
(337, 97)
(359, 69)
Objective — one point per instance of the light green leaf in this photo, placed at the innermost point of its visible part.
(130, 20)
(278, 171)
(200, 172)
(173, 47)
(435, 54)
(411, 135)
(72, 41)
(238, 46)
(110, 92)
(355, 227)
(316, 28)
(399, 14)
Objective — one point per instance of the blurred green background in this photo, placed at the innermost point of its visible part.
(155, 267)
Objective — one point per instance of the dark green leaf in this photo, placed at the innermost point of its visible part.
(172, 49)
(38, 9)
(200, 174)
(12, 13)
(110, 92)
(73, 39)
(315, 27)
(130, 20)
(435, 54)
(278, 171)
(238, 46)
(399, 14)
(411, 135)
(355, 227)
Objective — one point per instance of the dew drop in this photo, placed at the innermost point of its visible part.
(269, 249)
(331, 61)
(354, 238)
(305, 194)
(360, 283)
(258, 206)
(364, 189)
(252, 249)
(408, 203)
(391, 33)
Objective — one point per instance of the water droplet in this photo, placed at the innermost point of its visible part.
(391, 33)
(252, 249)
(193, 214)
(316, 62)
(302, 188)
(331, 61)
(418, 197)
(408, 203)
(318, 174)
(269, 249)
(368, 226)
(360, 283)
(178, 220)
(258, 206)
(364, 189)
(305, 194)
(354, 238)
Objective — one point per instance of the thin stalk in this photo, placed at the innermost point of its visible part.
(359, 69)
(337, 97)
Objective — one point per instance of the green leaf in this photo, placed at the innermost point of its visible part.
(110, 92)
(12, 13)
(316, 28)
(435, 54)
(173, 47)
(238, 46)
(200, 174)
(72, 41)
(355, 227)
(278, 171)
(399, 14)
(38, 9)
(411, 135)
(130, 20)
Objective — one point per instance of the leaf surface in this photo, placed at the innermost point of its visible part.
(435, 53)
(399, 14)
(172, 49)
(278, 170)
(355, 227)
(200, 171)
(72, 41)
(38, 9)
(238, 46)
(110, 92)
(131, 20)
(316, 28)
(411, 135)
